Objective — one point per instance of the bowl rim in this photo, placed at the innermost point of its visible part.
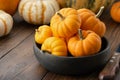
(71, 57)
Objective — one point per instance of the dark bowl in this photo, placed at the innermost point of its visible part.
(73, 65)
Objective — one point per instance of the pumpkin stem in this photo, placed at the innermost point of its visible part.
(80, 34)
(36, 30)
(100, 12)
(62, 17)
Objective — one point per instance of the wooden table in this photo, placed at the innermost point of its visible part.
(17, 60)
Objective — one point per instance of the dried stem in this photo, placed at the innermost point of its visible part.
(80, 34)
(100, 12)
(62, 17)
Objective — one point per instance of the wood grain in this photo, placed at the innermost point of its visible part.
(17, 60)
(21, 60)
(18, 34)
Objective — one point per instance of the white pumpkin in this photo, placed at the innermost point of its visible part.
(6, 23)
(38, 11)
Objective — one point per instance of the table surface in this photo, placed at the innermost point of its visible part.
(17, 60)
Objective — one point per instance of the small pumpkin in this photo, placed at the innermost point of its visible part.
(65, 23)
(42, 33)
(6, 23)
(38, 11)
(93, 5)
(90, 21)
(55, 46)
(115, 11)
(9, 6)
(84, 44)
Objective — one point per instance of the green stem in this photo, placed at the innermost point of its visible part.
(100, 12)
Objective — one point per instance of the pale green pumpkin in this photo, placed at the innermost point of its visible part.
(93, 5)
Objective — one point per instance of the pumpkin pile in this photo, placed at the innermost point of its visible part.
(71, 31)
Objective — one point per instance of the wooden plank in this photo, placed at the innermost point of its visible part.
(21, 60)
(53, 76)
(33, 72)
(19, 32)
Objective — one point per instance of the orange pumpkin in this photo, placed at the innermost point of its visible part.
(42, 33)
(115, 11)
(85, 43)
(9, 6)
(91, 22)
(65, 23)
(55, 46)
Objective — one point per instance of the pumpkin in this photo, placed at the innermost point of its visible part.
(90, 21)
(84, 44)
(65, 23)
(6, 23)
(37, 11)
(93, 5)
(9, 6)
(55, 46)
(115, 11)
(42, 33)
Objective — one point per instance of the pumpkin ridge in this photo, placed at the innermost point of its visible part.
(79, 46)
(84, 18)
(53, 7)
(70, 11)
(42, 14)
(101, 26)
(103, 30)
(54, 44)
(29, 13)
(91, 43)
(5, 26)
(59, 48)
(73, 45)
(22, 7)
(77, 25)
(88, 23)
(82, 34)
(48, 44)
(84, 10)
(97, 39)
(83, 48)
(71, 29)
(37, 20)
(62, 30)
(57, 30)
(67, 28)
(100, 29)
(83, 51)
(78, 20)
(75, 51)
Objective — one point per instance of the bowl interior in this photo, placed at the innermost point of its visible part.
(104, 47)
